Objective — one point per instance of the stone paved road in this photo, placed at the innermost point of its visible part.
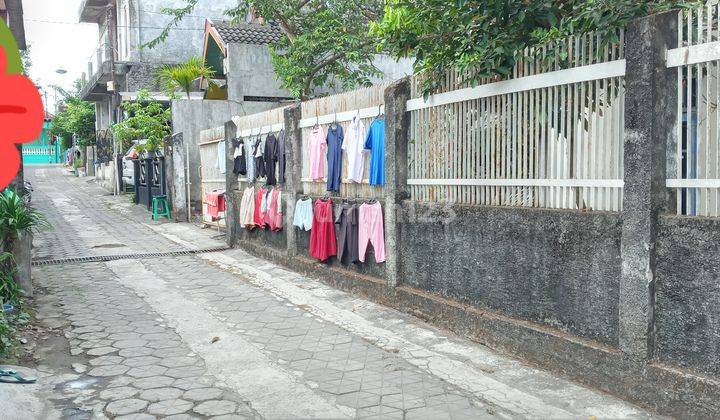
(140, 335)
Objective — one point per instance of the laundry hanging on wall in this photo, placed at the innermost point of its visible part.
(334, 139)
(270, 157)
(239, 158)
(247, 208)
(303, 217)
(317, 145)
(220, 160)
(371, 231)
(360, 226)
(348, 240)
(281, 157)
(323, 243)
(353, 146)
(375, 142)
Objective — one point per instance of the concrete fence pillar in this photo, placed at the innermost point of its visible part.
(231, 186)
(650, 118)
(293, 172)
(397, 128)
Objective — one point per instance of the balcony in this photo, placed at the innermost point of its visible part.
(91, 11)
(94, 82)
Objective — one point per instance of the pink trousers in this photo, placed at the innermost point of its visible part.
(371, 231)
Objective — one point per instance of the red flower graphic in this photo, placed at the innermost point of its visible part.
(21, 118)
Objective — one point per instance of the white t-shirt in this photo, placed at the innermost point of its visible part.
(353, 147)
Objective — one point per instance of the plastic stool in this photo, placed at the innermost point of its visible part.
(158, 201)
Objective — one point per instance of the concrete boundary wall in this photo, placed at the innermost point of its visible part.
(625, 302)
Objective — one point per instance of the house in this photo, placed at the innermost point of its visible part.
(120, 67)
(244, 83)
(239, 56)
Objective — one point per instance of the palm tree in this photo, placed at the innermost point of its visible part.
(182, 76)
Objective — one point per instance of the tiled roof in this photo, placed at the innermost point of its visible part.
(248, 33)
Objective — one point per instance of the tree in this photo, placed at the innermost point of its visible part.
(487, 37)
(76, 117)
(325, 43)
(147, 120)
(183, 75)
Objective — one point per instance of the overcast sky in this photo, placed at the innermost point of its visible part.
(57, 40)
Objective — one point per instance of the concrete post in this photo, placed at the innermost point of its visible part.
(231, 186)
(397, 128)
(650, 118)
(293, 172)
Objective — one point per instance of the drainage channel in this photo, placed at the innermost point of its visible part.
(137, 256)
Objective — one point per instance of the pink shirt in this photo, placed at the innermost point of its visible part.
(316, 150)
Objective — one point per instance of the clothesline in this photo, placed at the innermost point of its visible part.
(258, 131)
(370, 112)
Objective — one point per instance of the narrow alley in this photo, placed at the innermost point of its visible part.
(171, 328)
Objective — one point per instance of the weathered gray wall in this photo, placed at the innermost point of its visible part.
(559, 268)
(143, 76)
(184, 41)
(250, 73)
(190, 117)
(687, 310)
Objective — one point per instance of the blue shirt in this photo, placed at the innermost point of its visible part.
(375, 142)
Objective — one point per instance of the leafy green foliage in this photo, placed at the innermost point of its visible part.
(9, 324)
(7, 332)
(17, 217)
(147, 119)
(182, 76)
(76, 117)
(326, 43)
(487, 37)
(9, 289)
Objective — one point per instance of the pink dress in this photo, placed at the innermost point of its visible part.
(316, 151)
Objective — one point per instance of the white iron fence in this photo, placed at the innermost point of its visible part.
(550, 136)
(696, 167)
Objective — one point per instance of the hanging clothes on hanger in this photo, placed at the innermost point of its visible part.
(303, 217)
(348, 239)
(220, 161)
(375, 142)
(259, 158)
(316, 151)
(258, 215)
(250, 159)
(270, 156)
(273, 215)
(371, 231)
(239, 159)
(281, 157)
(353, 145)
(335, 136)
(323, 243)
(247, 208)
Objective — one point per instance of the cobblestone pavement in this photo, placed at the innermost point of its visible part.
(226, 335)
